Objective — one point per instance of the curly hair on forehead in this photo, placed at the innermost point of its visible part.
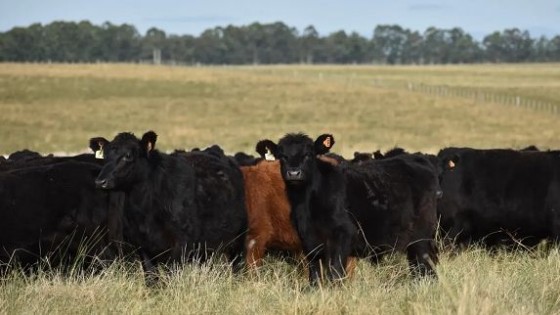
(125, 136)
(295, 138)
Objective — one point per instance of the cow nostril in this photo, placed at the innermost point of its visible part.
(100, 182)
(294, 174)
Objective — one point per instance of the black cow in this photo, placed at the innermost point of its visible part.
(530, 148)
(182, 206)
(54, 212)
(244, 159)
(26, 158)
(363, 156)
(24, 155)
(500, 196)
(360, 157)
(316, 192)
(394, 203)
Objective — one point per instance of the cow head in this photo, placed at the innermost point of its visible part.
(123, 158)
(297, 154)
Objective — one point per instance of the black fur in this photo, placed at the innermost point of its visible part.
(182, 206)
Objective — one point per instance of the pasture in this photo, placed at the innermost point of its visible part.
(57, 108)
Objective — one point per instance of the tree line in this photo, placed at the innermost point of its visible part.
(272, 43)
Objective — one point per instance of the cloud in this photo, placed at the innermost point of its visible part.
(427, 7)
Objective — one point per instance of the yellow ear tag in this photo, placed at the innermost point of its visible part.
(269, 156)
(99, 154)
(327, 142)
(451, 164)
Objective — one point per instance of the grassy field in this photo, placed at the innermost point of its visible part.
(57, 108)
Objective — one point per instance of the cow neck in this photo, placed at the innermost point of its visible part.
(301, 200)
(144, 208)
(300, 197)
(150, 178)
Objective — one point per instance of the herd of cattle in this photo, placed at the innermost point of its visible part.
(127, 198)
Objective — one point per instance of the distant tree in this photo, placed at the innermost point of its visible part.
(412, 48)
(511, 45)
(118, 43)
(337, 47)
(449, 46)
(181, 48)
(463, 48)
(23, 44)
(357, 48)
(280, 43)
(541, 50)
(270, 43)
(389, 42)
(309, 43)
(554, 48)
(154, 39)
(256, 41)
(209, 47)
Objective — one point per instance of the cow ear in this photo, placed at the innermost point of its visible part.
(324, 143)
(96, 145)
(148, 141)
(267, 149)
(377, 155)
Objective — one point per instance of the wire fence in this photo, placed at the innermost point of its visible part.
(474, 94)
(478, 96)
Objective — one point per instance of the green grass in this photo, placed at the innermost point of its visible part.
(57, 108)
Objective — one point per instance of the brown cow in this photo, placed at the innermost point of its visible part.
(268, 212)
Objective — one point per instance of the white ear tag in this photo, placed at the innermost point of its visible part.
(99, 154)
(269, 156)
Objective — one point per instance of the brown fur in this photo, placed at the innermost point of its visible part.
(268, 211)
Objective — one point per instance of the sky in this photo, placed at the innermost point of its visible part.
(477, 17)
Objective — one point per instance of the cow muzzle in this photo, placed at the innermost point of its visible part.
(294, 175)
(104, 183)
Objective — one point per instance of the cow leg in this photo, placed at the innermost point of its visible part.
(315, 266)
(255, 250)
(555, 226)
(314, 252)
(236, 255)
(339, 252)
(150, 272)
(422, 258)
(351, 264)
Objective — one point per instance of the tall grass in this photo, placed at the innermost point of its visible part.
(472, 282)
